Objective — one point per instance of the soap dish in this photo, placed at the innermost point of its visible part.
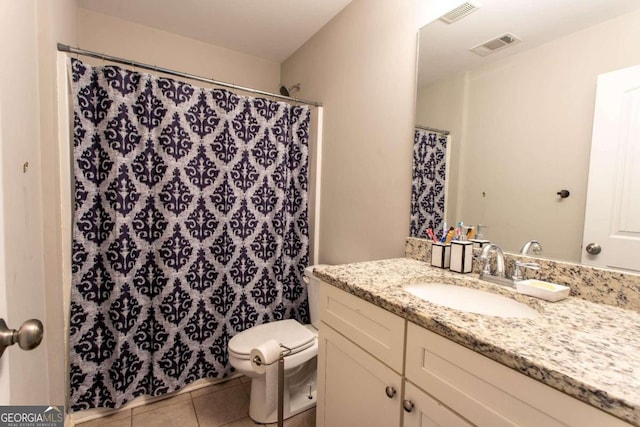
(543, 290)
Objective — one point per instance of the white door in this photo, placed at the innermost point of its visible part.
(4, 362)
(23, 374)
(612, 217)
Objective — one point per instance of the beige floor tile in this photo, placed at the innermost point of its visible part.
(245, 422)
(304, 419)
(215, 387)
(247, 386)
(180, 414)
(222, 407)
(160, 403)
(120, 419)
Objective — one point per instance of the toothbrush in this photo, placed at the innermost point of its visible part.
(431, 235)
(449, 236)
(470, 233)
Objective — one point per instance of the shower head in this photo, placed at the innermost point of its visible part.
(287, 91)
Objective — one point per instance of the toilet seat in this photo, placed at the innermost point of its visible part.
(288, 333)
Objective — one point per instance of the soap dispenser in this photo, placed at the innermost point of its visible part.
(462, 253)
(479, 241)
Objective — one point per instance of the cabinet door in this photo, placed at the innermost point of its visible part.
(353, 386)
(422, 410)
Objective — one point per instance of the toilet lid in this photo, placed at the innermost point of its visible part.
(289, 333)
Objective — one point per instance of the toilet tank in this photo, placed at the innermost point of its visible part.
(313, 292)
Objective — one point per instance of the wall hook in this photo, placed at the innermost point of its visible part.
(563, 194)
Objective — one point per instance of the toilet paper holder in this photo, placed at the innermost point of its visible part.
(284, 353)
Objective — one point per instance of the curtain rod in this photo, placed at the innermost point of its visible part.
(74, 50)
(444, 132)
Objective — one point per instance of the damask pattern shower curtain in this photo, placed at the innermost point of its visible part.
(428, 184)
(190, 225)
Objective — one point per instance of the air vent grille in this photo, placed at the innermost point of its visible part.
(495, 44)
(459, 12)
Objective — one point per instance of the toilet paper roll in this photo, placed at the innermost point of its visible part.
(268, 352)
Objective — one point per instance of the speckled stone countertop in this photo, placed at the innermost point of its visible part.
(620, 289)
(590, 351)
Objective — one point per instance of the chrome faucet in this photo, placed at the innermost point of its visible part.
(533, 245)
(485, 257)
(499, 275)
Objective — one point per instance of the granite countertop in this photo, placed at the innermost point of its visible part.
(590, 351)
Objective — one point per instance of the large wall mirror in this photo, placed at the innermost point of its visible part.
(521, 117)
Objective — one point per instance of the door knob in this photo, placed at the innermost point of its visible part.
(407, 405)
(391, 391)
(28, 337)
(593, 248)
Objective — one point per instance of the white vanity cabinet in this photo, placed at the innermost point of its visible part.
(487, 393)
(369, 376)
(360, 359)
(360, 367)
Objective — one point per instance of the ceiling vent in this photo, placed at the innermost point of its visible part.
(495, 44)
(460, 12)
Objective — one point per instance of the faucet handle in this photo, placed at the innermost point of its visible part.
(517, 273)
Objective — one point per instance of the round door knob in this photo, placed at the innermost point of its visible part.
(593, 248)
(390, 391)
(29, 336)
(407, 405)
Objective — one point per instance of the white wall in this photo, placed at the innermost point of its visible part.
(361, 65)
(527, 135)
(117, 37)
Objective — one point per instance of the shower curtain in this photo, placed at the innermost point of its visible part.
(190, 225)
(428, 184)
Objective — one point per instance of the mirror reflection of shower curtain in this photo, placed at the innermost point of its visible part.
(190, 225)
(428, 182)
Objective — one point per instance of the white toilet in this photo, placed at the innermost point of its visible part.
(300, 365)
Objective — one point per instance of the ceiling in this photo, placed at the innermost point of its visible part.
(270, 29)
(444, 48)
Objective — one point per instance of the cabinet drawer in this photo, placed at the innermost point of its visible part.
(378, 331)
(488, 393)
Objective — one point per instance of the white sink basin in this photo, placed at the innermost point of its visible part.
(471, 300)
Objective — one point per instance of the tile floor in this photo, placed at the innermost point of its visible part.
(220, 405)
